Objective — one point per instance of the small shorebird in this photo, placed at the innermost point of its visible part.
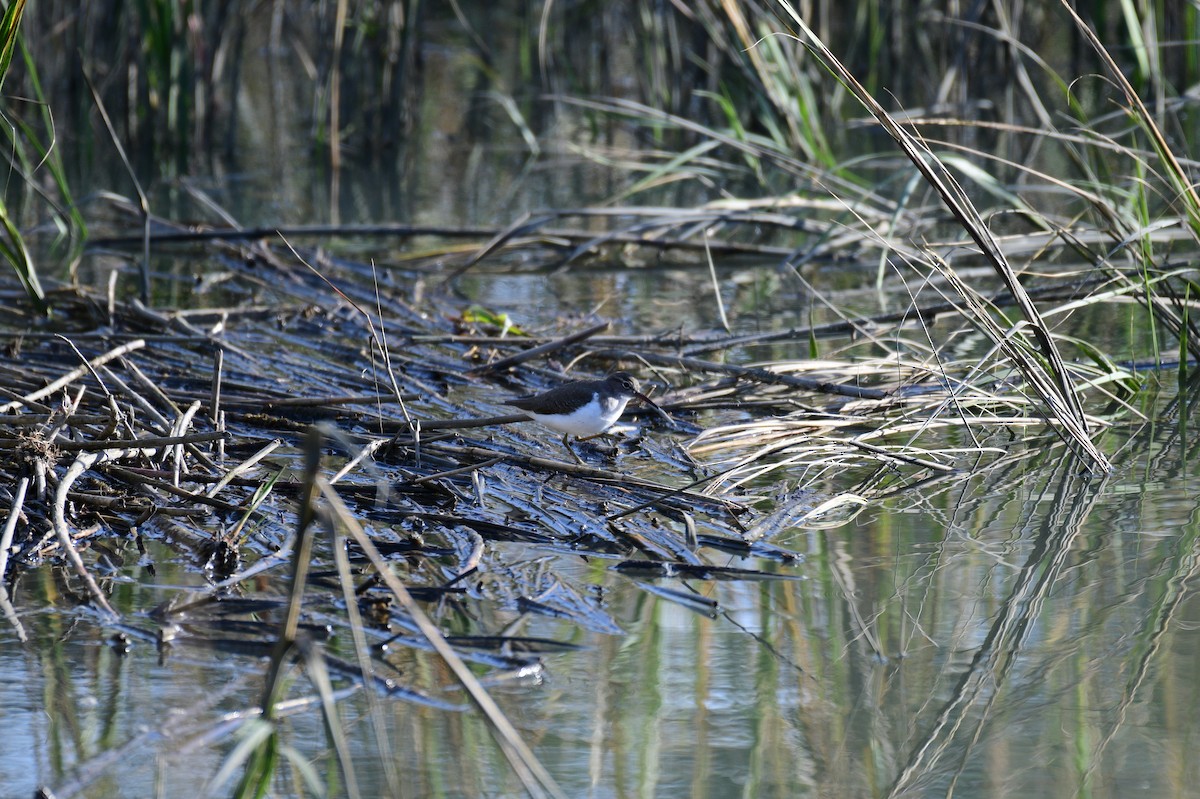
(584, 408)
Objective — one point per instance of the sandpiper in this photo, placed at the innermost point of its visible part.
(583, 408)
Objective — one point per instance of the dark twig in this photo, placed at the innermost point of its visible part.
(544, 349)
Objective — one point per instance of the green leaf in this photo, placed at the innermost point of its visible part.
(10, 28)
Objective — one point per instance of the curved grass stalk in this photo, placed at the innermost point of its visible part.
(14, 251)
(1178, 177)
(10, 26)
(1043, 369)
(72, 226)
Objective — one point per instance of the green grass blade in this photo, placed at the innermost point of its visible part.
(10, 28)
(13, 250)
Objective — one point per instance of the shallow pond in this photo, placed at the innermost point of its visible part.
(1020, 629)
(1005, 624)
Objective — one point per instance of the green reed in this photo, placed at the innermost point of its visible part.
(12, 244)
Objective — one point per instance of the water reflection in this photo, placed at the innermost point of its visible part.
(1037, 640)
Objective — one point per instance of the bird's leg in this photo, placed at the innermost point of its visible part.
(574, 454)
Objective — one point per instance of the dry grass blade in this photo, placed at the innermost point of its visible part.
(1179, 178)
(749, 373)
(537, 780)
(73, 375)
(1056, 389)
(866, 434)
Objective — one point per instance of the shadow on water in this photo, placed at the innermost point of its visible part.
(853, 562)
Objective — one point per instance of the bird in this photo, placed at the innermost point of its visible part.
(583, 408)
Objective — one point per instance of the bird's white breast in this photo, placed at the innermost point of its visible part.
(591, 419)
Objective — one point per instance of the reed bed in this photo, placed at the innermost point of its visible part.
(192, 428)
(353, 394)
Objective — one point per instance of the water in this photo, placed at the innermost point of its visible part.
(1018, 634)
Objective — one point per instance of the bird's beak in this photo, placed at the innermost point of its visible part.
(654, 405)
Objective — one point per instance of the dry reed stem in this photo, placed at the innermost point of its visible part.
(243, 467)
(522, 759)
(73, 375)
(1052, 384)
(10, 523)
(540, 350)
(713, 504)
(83, 462)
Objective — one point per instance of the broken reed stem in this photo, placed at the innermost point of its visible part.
(243, 467)
(1056, 390)
(365, 452)
(543, 349)
(73, 375)
(590, 472)
(143, 481)
(465, 424)
(429, 478)
(146, 445)
(83, 462)
(214, 401)
(520, 756)
(10, 525)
